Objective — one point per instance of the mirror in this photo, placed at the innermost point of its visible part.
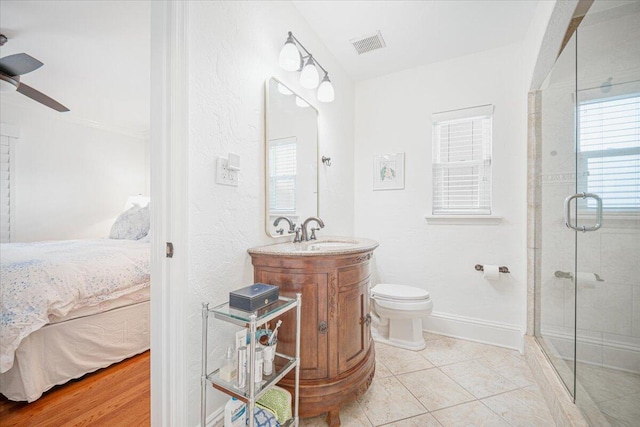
(291, 152)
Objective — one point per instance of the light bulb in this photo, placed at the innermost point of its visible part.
(325, 90)
(309, 77)
(301, 102)
(290, 58)
(284, 90)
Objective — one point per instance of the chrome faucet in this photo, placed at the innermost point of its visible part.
(292, 228)
(305, 234)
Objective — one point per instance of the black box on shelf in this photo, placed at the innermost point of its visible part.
(253, 297)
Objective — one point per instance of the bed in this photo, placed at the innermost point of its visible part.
(68, 308)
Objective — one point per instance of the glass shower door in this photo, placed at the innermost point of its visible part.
(608, 260)
(588, 215)
(556, 255)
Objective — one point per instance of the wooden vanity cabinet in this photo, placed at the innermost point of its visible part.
(313, 344)
(337, 356)
(354, 333)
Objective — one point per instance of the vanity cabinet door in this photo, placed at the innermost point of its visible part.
(313, 337)
(354, 334)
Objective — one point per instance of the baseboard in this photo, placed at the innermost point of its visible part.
(473, 329)
(216, 418)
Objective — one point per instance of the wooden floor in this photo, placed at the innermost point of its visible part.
(114, 396)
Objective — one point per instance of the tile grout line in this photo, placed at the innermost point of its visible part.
(488, 354)
(494, 412)
(364, 412)
(476, 399)
(415, 397)
(493, 371)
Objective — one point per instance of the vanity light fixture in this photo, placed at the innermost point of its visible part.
(295, 57)
(290, 58)
(309, 77)
(325, 90)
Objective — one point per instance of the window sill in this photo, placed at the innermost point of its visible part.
(463, 219)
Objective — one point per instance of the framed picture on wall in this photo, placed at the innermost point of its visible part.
(388, 171)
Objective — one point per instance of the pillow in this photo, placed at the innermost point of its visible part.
(132, 224)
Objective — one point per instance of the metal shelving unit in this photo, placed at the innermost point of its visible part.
(252, 392)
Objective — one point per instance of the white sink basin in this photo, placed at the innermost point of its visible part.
(325, 245)
(318, 246)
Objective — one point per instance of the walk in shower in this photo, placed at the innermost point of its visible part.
(587, 275)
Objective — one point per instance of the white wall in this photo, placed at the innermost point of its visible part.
(393, 114)
(233, 49)
(71, 179)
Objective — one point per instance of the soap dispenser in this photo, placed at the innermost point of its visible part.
(228, 368)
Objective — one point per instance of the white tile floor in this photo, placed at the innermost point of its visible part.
(614, 393)
(453, 383)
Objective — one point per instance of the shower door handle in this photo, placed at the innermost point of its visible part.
(567, 212)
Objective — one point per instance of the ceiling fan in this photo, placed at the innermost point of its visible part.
(14, 66)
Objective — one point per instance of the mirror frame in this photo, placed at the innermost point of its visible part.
(268, 224)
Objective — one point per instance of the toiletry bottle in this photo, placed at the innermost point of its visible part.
(235, 413)
(228, 369)
(242, 367)
(258, 367)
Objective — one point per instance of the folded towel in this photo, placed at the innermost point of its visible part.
(278, 401)
(264, 418)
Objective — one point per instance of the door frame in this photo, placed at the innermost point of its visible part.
(169, 213)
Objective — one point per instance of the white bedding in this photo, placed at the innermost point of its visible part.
(44, 281)
(135, 297)
(59, 352)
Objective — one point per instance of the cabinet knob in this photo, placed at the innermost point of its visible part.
(323, 327)
(366, 320)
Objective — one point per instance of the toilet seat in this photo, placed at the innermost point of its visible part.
(385, 291)
(413, 306)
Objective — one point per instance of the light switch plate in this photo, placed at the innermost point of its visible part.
(233, 162)
(225, 176)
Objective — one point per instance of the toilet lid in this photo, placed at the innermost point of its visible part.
(399, 292)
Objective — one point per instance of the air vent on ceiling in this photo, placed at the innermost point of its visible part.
(368, 43)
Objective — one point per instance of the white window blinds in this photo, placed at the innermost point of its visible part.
(282, 175)
(462, 161)
(609, 150)
(5, 190)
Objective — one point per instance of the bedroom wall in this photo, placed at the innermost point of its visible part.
(233, 48)
(72, 178)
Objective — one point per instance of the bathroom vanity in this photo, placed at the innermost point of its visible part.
(337, 357)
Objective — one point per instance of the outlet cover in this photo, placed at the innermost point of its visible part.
(225, 176)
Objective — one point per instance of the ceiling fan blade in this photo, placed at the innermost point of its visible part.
(19, 64)
(41, 97)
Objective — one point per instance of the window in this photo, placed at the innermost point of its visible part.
(462, 161)
(282, 175)
(609, 151)
(5, 188)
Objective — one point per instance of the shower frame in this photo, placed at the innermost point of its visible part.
(559, 394)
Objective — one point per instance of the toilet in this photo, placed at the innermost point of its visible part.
(397, 312)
